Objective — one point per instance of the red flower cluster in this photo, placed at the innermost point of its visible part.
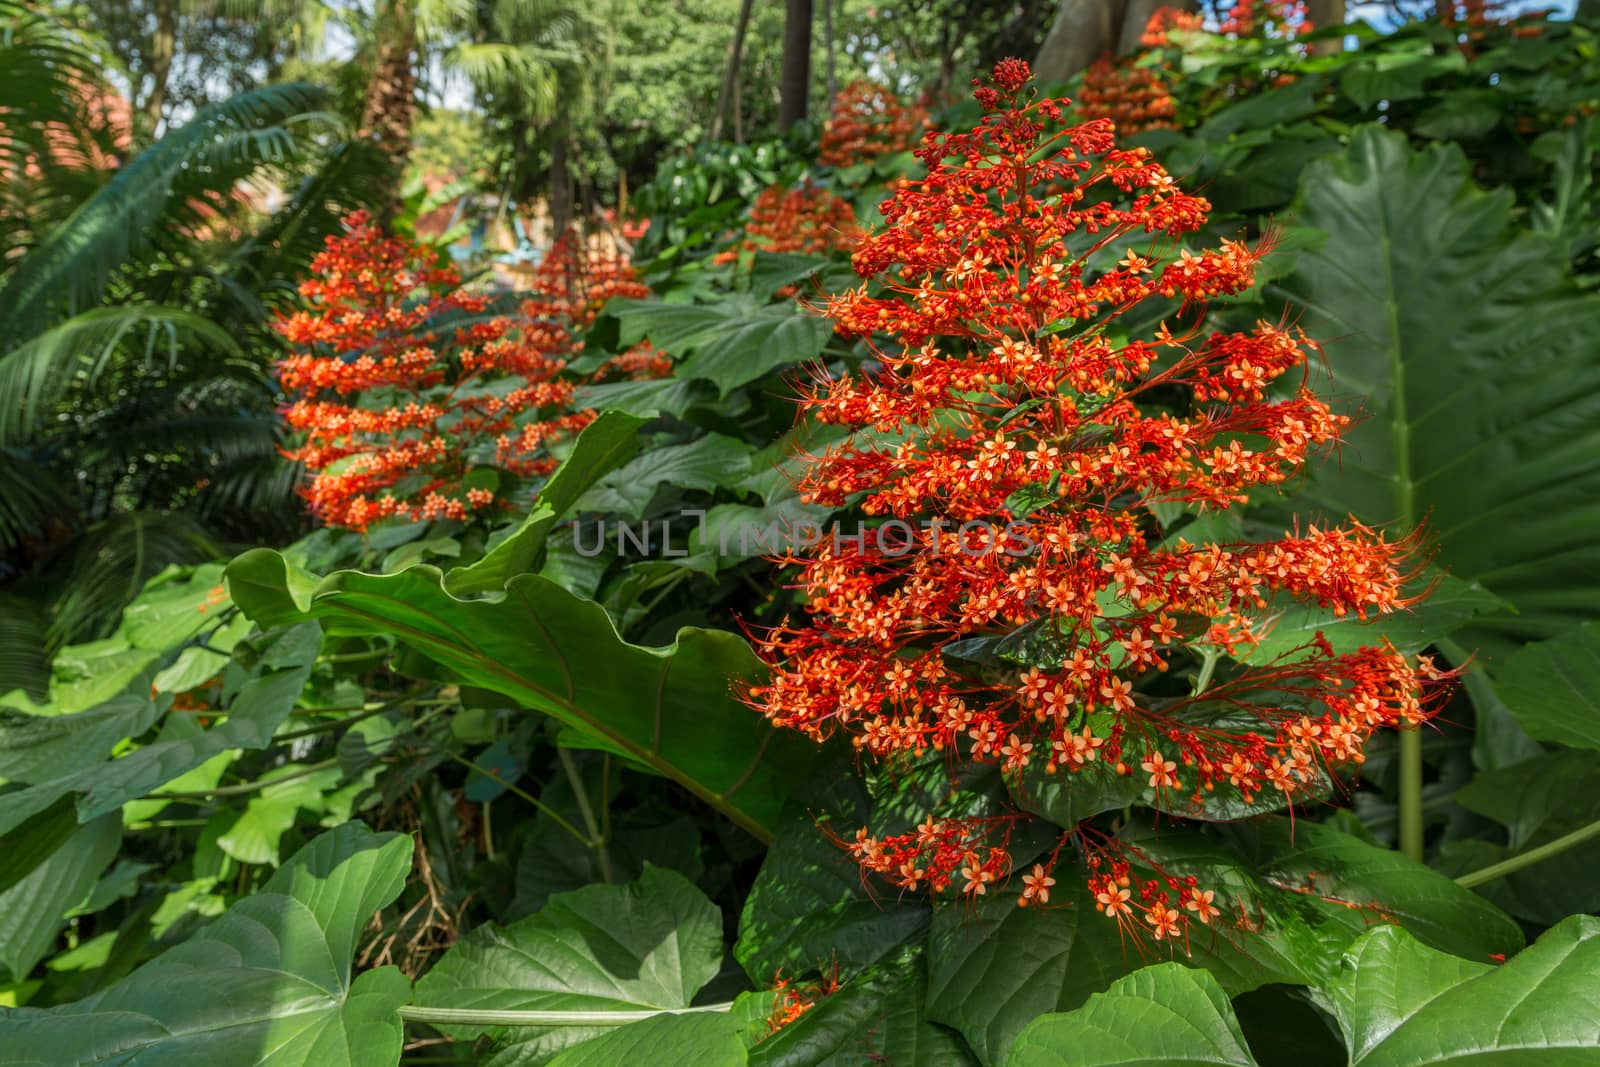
(869, 121)
(402, 387)
(1132, 96)
(1166, 19)
(805, 218)
(1280, 19)
(1011, 445)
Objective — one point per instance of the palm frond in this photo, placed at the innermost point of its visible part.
(32, 507)
(24, 658)
(160, 188)
(34, 375)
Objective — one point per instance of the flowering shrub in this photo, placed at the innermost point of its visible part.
(1279, 19)
(1163, 21)
(1015, 443)
(868, 121)
(1133, 97)
(403, 388)
(805, 218)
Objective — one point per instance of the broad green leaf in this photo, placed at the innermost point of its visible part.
(1160, 1016)
(650, 944)
(1449, 606)
(1345, 879)
(267, 984)
(1539, 800)
(993, 967)
(260, 688)
(728, 343)
(704, 463)
(1470, 353)
(646, 399)
(705, 1039)
(1402, 1004)
(669, 709)
(875, 1017)
(606, 443)
(1553, 687)
(32, 909)
(809, 910)
(35, 840)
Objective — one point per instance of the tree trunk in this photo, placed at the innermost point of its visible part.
(560, 180)
(729, 93)
(1082, 32)
(794, 85)
(1325, 13)
(163, 47)
(390, 106)
(827, 38)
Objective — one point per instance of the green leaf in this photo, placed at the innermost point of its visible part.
(1471, 351)
(670, 709)
(32, 909)
(809, 910)
(258, 697)
(704, 1039)
(647, 945)
(646, 399)
(1160, 1016)
(268, 983)
(35, 840)
(1451, 605)
(606, 443)
(876, 1017)
(1553, 687)
(1402, 1004)
(728, 343)
(1538, 801)
(993, 967)
(705, 463)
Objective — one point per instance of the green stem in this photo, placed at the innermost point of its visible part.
(416, 1013)
(1530, 857)
(1208, 667)
(244, 788)
(597, 841)
(1410, 814)
(517, 791)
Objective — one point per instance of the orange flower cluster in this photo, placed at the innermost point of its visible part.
(805, 218)
(868, 121)
(1132, 96)
(1166, 19)
(1279, 19)
(402, 386)
(1016, 602)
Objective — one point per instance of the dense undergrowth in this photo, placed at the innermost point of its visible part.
(1298, 389)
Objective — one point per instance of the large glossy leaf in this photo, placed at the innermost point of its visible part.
(268, 984)
(1402, 1004)
(809, 910)
(1538, 801)
(1162, 1016)
(651, 944)
(260, 687)
(605, 444)
(876, 1017)
(31, 910)
(729, 342)
(705, 463)
(669, 709)
(705, 1040)
(1553, 687)
(1471, 354)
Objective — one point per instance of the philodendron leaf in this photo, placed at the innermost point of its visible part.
(730, 342)
(706, 1039)
(1402, 1004)
(260, 688)
(268, 983)
(1553, 687)
(31, 910)
(648, 945)
(605, 444)
(1481, 425)
(669, 709)
(1162, 1016)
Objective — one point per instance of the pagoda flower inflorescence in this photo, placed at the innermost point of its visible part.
(1133, 97)
(1015, 442)
(869, 120)
(804, 218)
(402, 385)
